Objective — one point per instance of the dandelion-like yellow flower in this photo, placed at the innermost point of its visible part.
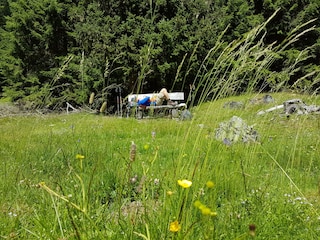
(169, 193)
(201, 206)
(185, 183)
(213, 214)
(205, 211)
(79, 156)
(197, 204)
(210, 184)
(174, 226)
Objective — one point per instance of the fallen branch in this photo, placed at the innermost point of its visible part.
(270, 109)
(70, 106)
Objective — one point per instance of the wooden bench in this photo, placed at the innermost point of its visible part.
(160, 110)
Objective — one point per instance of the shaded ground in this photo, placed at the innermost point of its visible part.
(8, 109)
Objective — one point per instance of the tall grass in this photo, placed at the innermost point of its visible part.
(83, 176)
(49, 193)
(242, 66)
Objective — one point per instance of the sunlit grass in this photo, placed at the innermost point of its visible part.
(107, 194)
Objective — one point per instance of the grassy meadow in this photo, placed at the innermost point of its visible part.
(85, 176)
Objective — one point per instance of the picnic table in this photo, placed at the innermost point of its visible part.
(173, 111)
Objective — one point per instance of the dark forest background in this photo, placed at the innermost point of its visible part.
(57, 51)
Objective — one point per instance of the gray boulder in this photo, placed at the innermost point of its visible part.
(236, 130)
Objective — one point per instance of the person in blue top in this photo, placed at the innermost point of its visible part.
(156, 99)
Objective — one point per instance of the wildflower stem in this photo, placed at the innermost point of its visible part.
(84, 208)
(49, 190)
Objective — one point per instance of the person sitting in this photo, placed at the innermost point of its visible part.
(156, 100)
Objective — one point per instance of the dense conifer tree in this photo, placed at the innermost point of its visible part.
(61, 50)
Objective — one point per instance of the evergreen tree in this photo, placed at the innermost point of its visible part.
(35, 38)
(4, 11)
(304, 51)
(61, 50)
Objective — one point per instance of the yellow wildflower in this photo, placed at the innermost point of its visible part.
(213, 214)
(201, 206)
(174, 226)
(205, 211)
(79, 156)
(185, 183)
(169, 193)
(210, 184)
(197, 204)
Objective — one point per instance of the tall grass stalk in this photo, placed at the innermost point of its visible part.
(57, 215)
(49, 87)
(145, 59)
(178, 71)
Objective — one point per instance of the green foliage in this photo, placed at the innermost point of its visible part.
(291, 17)
(4, 11)
(36, 39)
(144, 46)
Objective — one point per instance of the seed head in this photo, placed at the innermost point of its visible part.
(133, 151)
(103, 107)
(252, 230)
(91, 98)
